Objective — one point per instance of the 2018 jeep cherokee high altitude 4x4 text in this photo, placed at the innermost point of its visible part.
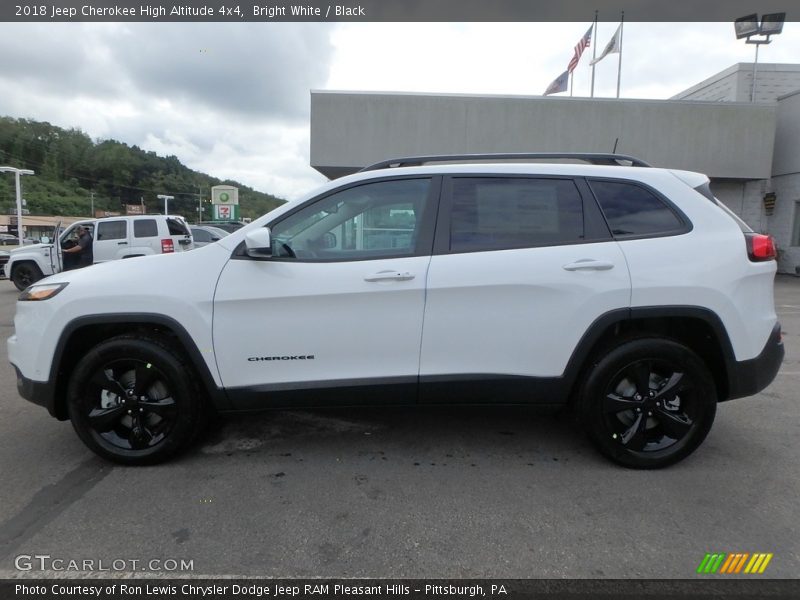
(627, 292)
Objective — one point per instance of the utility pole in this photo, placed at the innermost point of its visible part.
(92, 213)
(17, 173)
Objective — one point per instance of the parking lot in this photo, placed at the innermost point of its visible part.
(409, 492)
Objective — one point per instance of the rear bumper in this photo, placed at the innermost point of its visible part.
(748, 377)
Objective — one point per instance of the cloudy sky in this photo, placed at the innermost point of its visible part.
(232, 100)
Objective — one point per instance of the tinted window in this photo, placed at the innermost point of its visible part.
(201, 235)
(145, 228)
(177, 227)
(633, 210)
(112, 230)
(496, 213)
(378, 219)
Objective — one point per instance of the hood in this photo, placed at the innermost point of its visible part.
(28, 248)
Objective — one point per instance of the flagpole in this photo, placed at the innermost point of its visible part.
(619, 63)
(594, 49)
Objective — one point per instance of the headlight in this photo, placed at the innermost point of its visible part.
(44, 291)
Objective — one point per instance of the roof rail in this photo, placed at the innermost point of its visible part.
(592, 158)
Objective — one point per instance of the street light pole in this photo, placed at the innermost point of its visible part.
(749, 26)
(166, 200)
(17, 173)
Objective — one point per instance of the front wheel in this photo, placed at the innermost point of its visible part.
(25, 274)
(134, 400)
(648, 403)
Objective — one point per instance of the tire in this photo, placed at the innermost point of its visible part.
(25, 274)
(648, 403)
(134, 400)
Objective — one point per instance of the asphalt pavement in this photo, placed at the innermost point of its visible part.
(397, 493)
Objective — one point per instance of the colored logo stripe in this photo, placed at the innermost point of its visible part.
(734, 562)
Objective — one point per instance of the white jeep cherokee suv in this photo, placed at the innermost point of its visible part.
(624, 291)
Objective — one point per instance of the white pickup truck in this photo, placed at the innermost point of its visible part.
(114, 238)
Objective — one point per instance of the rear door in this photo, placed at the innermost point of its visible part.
(522, 266)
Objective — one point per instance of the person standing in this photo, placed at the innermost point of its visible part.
(83, 249)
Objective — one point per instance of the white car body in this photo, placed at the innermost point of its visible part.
(477, 325)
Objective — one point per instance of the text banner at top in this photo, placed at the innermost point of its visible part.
(390, 10)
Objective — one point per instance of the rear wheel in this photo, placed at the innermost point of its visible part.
(134, 400)
(25, 274)
(648, 403)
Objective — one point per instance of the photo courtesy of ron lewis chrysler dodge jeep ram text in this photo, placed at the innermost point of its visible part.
(625, 292)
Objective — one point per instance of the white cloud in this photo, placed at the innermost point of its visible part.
(232, 100)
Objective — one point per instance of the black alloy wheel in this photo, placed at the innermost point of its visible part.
(649, 403)
(25, 274)
(133, 400)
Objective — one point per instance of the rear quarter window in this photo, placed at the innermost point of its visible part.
(632, 210)
(177, 227)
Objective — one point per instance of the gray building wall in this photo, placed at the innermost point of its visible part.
(352, 130)
(745, 198)
(735, 83)
(786, 182)
(748, 149)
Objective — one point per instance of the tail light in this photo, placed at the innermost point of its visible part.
(760, 247)
(167, 246)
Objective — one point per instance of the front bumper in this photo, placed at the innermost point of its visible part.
(38, 392)
(748, 377)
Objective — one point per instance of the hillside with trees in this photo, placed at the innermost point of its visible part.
(70, 166)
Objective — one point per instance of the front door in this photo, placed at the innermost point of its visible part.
(337, 311)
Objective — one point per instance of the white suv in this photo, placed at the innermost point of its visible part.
(114, 238)
(624, 291)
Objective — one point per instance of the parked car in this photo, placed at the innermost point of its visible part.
(206, 234)
(114, 238)
(229, 226)
(7, 239)
(625, 292)
(4, 256)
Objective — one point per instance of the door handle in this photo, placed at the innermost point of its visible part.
(390, 276)
(121, 243)
(588, 264)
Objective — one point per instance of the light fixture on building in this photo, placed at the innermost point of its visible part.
(749, 26)
(769, 203)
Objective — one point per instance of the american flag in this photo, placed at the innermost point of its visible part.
(579, 48)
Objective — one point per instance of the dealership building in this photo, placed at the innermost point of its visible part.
(750, 150)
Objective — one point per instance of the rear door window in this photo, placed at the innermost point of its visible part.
(495, 213)
(201, 235)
